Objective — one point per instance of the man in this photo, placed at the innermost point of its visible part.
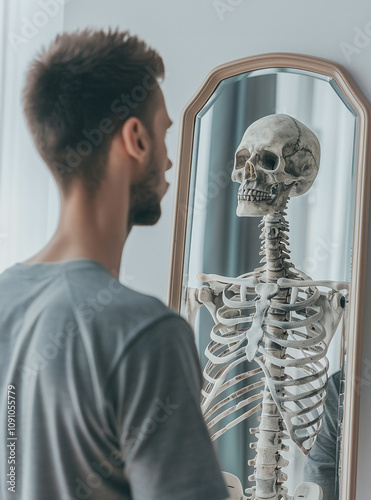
(100, 385)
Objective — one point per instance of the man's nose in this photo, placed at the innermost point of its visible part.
(170, 164)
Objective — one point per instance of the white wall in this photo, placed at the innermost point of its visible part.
(193, 39)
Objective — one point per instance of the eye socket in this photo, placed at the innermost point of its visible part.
(241, 158)
(269, 160)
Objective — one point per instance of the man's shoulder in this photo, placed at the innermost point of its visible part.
(116, 308)
(141, 309)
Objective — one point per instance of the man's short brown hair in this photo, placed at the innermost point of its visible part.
(80, 90)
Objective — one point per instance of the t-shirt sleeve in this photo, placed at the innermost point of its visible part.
(165, 443)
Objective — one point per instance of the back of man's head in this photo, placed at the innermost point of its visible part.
(79, 91)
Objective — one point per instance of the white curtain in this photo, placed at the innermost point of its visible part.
(29, 200)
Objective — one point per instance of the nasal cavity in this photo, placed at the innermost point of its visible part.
(250, 173)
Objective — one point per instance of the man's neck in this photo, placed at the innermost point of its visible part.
(94, 230)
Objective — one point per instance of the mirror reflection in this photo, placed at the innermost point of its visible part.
(268, 255)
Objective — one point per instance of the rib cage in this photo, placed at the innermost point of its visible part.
(299, 399)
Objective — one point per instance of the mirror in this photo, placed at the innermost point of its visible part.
(311, 396)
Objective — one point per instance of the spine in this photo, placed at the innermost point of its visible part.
(268, 461)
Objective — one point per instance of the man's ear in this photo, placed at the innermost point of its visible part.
(136, 139)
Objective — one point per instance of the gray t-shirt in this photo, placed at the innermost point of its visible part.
(107, 388)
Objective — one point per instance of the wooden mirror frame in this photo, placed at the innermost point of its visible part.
(360, 228)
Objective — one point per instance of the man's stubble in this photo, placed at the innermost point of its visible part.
(145, 208)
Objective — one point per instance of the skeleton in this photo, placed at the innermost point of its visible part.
(275, 315)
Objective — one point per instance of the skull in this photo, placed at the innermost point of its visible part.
(278, 157)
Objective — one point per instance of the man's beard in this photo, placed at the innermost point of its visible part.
(145, 208)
